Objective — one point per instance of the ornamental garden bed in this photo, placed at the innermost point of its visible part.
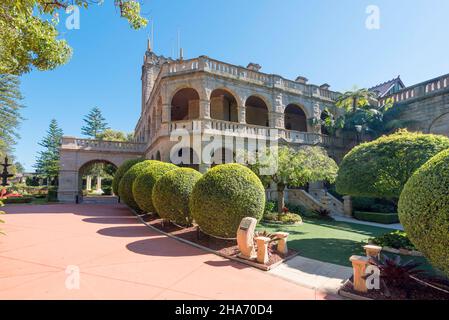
(222, 247)
(412, 291)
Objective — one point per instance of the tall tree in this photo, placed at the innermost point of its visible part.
(47, 162)
(95, 124)
(10, 106)
(286, 167)
(29, 35)
(113, 135)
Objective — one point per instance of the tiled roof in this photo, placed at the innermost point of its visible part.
(383, 88)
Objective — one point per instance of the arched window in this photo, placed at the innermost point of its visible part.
(295, 118)
(256, 111)
(185, 105)
(223, 106)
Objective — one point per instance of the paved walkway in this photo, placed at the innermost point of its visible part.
(394, 226)
(321, 276)
(118, 258)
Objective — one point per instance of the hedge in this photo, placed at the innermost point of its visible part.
(121, 172)
(171, 195)
(17, 200)
(380, 169)
(379, 217)
(126, 183)
(224, 196)
(142, 187)
(424, 210)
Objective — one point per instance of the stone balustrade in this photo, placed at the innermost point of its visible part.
(227, 128)
(206, 64)
(101, 145)
(419, 90)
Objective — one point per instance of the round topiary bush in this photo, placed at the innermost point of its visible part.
(121, 172)
(142, 187)
(126, 183)
(380, 169)
(171, 195)
(224, 196)
(424, 210)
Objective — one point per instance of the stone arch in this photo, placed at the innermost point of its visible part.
(440, 125)
(257, 110)
(185, 105)
(223, 105)
(87, 171)
(295, 118)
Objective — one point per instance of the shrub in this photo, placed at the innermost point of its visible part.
(125, 189)
(142, 188)
(378, 217)
(171, 195)
(380, 169)
(121, 172)
(396, 239)
(290, 218)
(224, 196)
(424, 210)
(270, 206)
(52, 195)
(17, 200)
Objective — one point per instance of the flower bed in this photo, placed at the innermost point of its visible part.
(221, 247)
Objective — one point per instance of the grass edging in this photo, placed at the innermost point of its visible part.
(247, 262)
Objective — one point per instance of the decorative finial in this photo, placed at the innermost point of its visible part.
(181, 54)
(149, 44)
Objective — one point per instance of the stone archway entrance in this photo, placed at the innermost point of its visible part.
(77, 154)
(95, 180)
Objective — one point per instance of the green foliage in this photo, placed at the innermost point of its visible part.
(287, 218)
(121, 172)
(29, 35)
(52, 194)
(424, 210)
(113, 135)
(224, 196)
(286, 167)
(17, 200)
(10, 106)
(380, 169)
(95, 124)
(143, 185)
(270, 206)
(384, 218)
(171, 195)
(125, 187)
(396, 239)
(373, 205)
(47, 162)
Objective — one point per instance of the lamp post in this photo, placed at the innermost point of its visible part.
(5, 174)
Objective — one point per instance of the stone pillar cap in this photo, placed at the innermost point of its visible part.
(358, 259)
(371, 246)
(282, 234)
(264, 239)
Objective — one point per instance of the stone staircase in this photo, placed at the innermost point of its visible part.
(99, 200)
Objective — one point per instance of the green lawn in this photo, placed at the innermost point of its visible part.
(330, 241)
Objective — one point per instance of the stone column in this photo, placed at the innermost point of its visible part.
(242, 114)
(282, 243)
(88, 183)
(166, 113)
(204, 109)
(359, 265)
(262, 249)
(347, 206)
(276, 120)
(372, 251)
(98, 184)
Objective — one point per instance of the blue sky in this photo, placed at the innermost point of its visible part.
(324, 40)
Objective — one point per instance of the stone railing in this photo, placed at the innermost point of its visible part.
(419, 90)
(212, 126)
(206, 64)
(101, 145)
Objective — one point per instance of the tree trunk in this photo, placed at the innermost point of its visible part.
(281, 201)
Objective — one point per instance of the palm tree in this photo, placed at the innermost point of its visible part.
(355, 99)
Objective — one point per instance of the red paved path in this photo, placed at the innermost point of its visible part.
(118, 258)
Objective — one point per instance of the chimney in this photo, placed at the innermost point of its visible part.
(254, 66)
(325, 86)
(301, 79)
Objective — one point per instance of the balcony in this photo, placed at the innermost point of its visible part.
(72, 143)
(205, 64)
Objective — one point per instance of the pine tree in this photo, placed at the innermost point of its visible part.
(10, 118)
(95, 124)
(47, 162)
